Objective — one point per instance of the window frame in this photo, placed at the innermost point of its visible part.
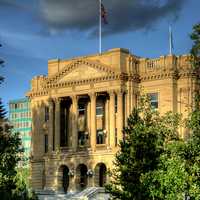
(153, 101)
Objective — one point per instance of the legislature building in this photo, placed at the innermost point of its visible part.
(80, 108)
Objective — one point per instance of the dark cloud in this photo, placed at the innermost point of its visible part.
(53, 16)
(123, 15)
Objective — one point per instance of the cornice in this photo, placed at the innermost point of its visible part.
(158, 76)
(73, 65)
(38, 93)
(83, 81)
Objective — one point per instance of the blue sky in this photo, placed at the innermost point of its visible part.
(34, 31)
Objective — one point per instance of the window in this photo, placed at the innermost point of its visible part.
(100, 137)
(153, 100)
(115, 136)
(115, 103)
(81, 109)
(100, 108)
(46, 116)
(45, 143)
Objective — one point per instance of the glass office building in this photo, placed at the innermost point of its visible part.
(20, 118)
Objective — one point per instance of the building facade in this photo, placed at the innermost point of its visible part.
(20, 118)
(80, 108)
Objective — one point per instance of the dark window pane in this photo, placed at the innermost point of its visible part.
(153, 100)
(45, 143)
(46, 113)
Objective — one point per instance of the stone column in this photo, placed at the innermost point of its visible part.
(89, 121)
(57, 124)
(74, 122)
(50, 126)
(112, 118)
(119, 115)
(93, 121)
(106, 122)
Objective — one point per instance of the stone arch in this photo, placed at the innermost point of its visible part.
(100, 176)
(63, 178)
(81, 177)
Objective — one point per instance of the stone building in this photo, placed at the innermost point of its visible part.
(81, 106)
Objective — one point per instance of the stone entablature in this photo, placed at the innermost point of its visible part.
(81, 107)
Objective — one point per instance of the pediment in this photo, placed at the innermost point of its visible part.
(81, 70)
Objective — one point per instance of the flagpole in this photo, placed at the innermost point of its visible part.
(170, 40)
(100, 23)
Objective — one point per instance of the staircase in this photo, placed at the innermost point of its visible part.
(91, 193)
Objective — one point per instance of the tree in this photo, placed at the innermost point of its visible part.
(11, 185)
(178, 174)
(192, 149)
(153, 163)
(1, 64)
(145, 137)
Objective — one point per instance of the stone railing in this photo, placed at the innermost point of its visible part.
(153, 64)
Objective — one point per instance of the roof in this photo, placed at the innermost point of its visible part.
(21, 100)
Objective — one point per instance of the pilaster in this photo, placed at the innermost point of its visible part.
(50, 125)
(119, 115)
(74, 122)
(112, 118)
(57, 123)
(93, 120)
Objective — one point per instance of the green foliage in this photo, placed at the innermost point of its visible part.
(1, 64)
(195, 61)
(12, 184)
(153, 163)
(146, 137)
(195, 36)
(169, 180)
(192, 150)
(2, 110)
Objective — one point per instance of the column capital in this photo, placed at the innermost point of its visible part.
(57, 99)
(111, 92)
(50, 102)
(92, 94)
(120, 91)
(50, 99)
(74, 98)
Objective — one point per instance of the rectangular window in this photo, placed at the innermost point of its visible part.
(115, 103)
(46, 116)
(99, 110)
(100, 107)
(153, 100)
(81, 109)
(100, 137)
(45, 143)
(115, 136)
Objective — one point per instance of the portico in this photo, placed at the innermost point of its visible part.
(85, 121)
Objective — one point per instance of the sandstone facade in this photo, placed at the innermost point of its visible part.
(81, 106)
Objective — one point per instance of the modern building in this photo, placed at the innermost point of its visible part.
(20, 118)
(81, 106)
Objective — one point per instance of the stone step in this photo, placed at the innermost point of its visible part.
(91, 193)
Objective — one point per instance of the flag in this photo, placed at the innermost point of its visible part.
(104, 14)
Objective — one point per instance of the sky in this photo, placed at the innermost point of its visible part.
(34, 31)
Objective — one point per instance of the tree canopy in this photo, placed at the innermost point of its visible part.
(153, 162)
(12, 186)
(146, 136)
